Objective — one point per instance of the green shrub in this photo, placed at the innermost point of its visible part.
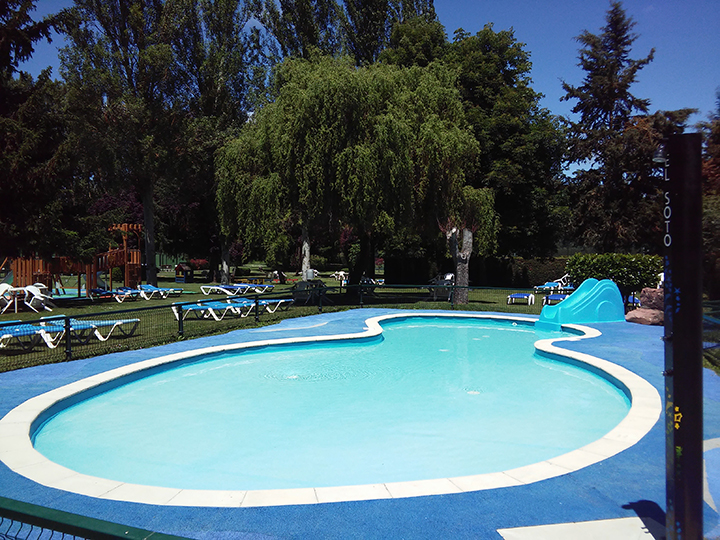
(631, 273)
(318, 262)
(118, 275)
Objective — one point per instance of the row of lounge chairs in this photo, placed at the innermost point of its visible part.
(147, 292)
(218, 309)
(52, 330)
(553, 292)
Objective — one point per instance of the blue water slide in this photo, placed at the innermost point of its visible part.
(593, 301)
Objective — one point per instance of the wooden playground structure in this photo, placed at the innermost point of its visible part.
(29, 271)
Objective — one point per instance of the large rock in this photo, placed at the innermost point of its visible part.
(646, 316)
(652, 298)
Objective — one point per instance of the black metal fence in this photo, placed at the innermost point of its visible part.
(25, 521)
(711, 334)
(59, 338)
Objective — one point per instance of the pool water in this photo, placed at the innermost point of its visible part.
(431, 398)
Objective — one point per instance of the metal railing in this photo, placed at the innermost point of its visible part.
(25, 521)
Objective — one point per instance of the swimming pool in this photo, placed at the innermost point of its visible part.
(469, 387)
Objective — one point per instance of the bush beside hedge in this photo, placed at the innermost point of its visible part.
(631, 273)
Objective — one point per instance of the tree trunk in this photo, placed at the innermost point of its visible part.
(461, 260)
(149, 219)
(305, 251)
(365, 263)
(462, 268)
(224, 261)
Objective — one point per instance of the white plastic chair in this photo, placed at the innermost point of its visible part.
(36, 300)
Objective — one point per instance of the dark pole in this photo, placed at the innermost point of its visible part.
(682, 217)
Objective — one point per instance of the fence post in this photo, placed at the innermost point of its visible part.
(257, 308)
(179, 313)
(320, 297)
(68, 340)
(452, 297)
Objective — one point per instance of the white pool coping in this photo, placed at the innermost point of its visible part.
(18, 453)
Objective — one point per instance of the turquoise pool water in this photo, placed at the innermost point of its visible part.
(432, 398)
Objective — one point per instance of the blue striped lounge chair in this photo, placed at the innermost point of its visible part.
(555, 298)
(150, 291)
(28, 335)
(525, 298)
(230, 290)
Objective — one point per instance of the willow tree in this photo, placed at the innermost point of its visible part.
(375, 149)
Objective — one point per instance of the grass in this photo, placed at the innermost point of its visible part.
(159, 326)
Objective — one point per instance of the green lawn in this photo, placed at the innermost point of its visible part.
(158, 324)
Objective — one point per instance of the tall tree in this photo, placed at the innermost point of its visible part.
(36, 212)
(302, 26)
(615, 189)
(375, 148)
(118, 68)
(218, 65)
(18, 35)
(366, 26)
(415, 39)
(521, 144)
(711, 201)
(472, 228)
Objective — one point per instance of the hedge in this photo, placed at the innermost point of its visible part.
(631, 273)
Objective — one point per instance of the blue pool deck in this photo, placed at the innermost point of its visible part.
(630, 484)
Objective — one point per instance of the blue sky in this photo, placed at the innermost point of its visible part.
(685, 34)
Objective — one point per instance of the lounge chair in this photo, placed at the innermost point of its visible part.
(150, 291)
(230, 290)
(6, 298)
(120, 294)
(126, 327)
(271, 306)
(37, 300)
(204, 310)
(561, 285)
(9, 333)
(528, 298)
(84, 329)
(554, 298)
(262, 288)
(216, 310)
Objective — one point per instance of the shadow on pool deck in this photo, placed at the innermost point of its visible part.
(629, 484)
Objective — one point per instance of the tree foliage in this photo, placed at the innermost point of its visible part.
(616, 192)
(118, 69)
(711, 202)
(521, 143)
(18, 35)
(220, 74)
(373, 148)
(366, 26)
(44, 204)
(301, 27)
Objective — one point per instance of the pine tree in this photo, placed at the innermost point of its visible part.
(611, 191)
